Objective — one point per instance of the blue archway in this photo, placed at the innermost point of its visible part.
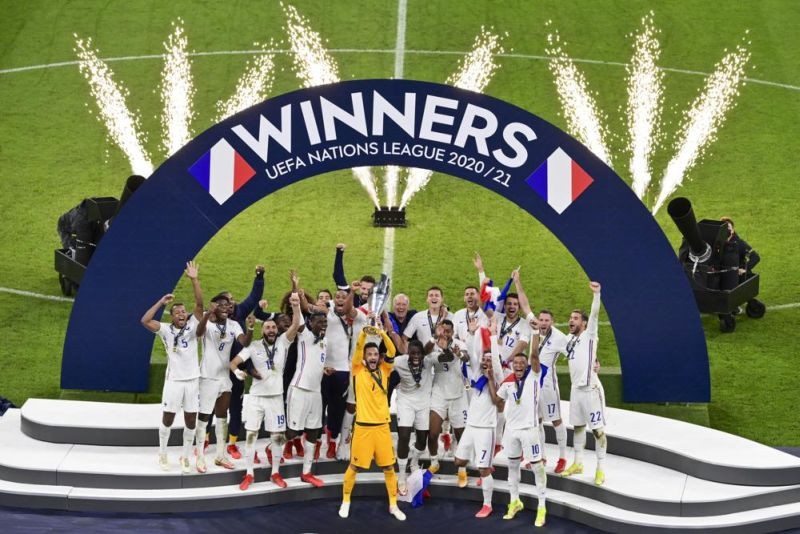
(377, 122)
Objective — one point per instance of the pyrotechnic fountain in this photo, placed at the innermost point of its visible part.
(474, 73)
(315, 66)
(703, 120)
(645, 97)
(122, 124)
(177, 91)
(252, 88)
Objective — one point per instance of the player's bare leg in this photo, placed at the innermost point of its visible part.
(189, 423)
(167, 418)
(434, 430)
(578, 442)
(221, 430)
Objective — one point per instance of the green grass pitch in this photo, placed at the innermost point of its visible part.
(53, 153)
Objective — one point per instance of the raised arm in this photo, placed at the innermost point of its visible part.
(477, 261)
(594, 314)
(391, 350)
(497, 369)
(358, 355)
(496, 399)
(148, 320)
(247, 336)
(349, 303)
(474, 343)
(533, 359)
(249, 303)
(261, 312)
(297, 313)
(524, 303)
(338, 268)
(191, 271)
(201, 327)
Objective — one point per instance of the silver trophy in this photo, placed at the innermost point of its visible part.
(377, 302)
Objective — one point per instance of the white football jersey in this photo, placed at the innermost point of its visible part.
(311, 357)
(181, 347)
(217, 343)
(509, 333)
(269, 361)
(407, 389)
(424, 328)
(551, 346)
(461, 321)
(582, 350)
(482, 410)
(448, 377)
(339, 336)
(521, 410)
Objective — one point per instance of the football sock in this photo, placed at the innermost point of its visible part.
(579, 442)
(308, 457)
(200, 435)
(349, 482)
(561, 438)
(188, 440)
(277, 454)
(163, 438)
(600, 446)
(402, 464)
(541, 482)
(221, 431)
(391, 485)
(513, 479)
(487, 485)
(250, 450)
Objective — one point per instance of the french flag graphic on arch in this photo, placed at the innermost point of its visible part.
(221, 171)
(559, 180)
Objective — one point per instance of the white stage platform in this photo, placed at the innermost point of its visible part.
(661, 474)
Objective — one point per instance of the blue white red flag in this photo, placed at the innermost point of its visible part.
(221, 171)
(416, 483)
(559, 180)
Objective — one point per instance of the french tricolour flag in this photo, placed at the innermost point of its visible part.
(416, 484)
(221, 171)
(559, 180)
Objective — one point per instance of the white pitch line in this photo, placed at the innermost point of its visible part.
(399, 56)
(400, 41)
(386, 51)
(34, 295)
